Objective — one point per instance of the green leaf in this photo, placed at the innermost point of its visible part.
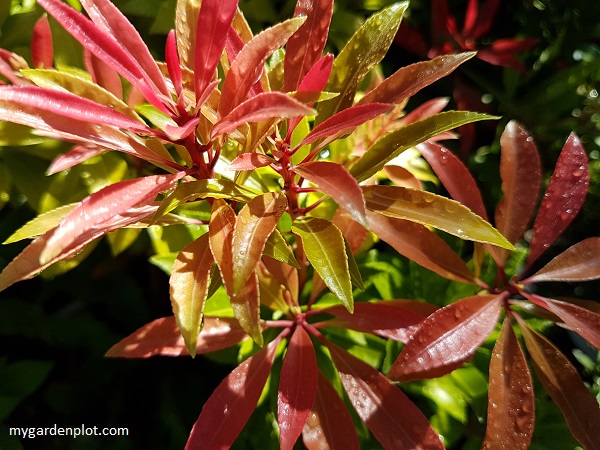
(19, 380)
(434, 211)
(324, 245)
(156, 117)
(39, 225)
(395, 142)
(13, 134)
(363, 51)
(277, 248)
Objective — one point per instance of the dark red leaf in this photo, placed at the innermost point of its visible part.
(329, 426)
(563, 198)
(484, 19)
(297, 387)
(511, 405)
(448, 338)
(42, 52)
(563, 383)
(230, 406)
(162, 337)
(390, 415)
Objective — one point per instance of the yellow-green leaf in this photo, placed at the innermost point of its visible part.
(246, 309)
(434, 211)
(277, 248)
(40, 224)
(325, 248)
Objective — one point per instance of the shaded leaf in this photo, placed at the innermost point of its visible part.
(563, 383)
(297, 387)
(364, 50)
(246, 308)
(325, 249)
(563, 198)
(580, 262)
(189, 288)
(329, 426)
(163, 337)
(390, 415)
(432, 210)
(286, 275)
(250, 161)
(395, 142)
(448, 338)
(271, 292)
(335, 180)
(229, 407)
(511, 406)
(353, 232)
(220, 231)
(42, 52)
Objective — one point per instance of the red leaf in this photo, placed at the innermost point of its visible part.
(353, 232)
(297, 387)
(329, 425)
(416, 242)
(174, 66)
(447, 338)
(42, 52)
(335, 180)
(316, 78)
(103, 75)
(230, 406)
(220, 229)
(250, 161)
(246, 308)
(563, 383)
(387, 319)
(73, 157)
(261, 107)
(455, 176)
(580, 262)
(563, 198)
(214, 21)
(392, 418)
(248, 66)
(511, 405)
(102, 206)
(162, 337)
(485, 19)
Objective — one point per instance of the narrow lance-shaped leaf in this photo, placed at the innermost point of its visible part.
(163, 337)
(432, 210)
(329, 426)
(395, 142)
(186, 24)
(103, 205)
(297, 387)
(390, 415)
(364, 50)
(102, 75)
(561, 380)
(306, 46)
(42, 52)
(41, 224)
(448, 338)
(247, 68)
(409, 80)
(563, 198)
(420, 245)
(230, 406)
(250, 161)
(278, 248)
(335, 180)
(580, 262)
(189, 288)
(220, 230)
(246, 308)
(325, 249)
(255, 223)
(511, 406)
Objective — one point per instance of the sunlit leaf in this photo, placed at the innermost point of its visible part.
(325, 249)
(246, 308)
(563, 383)
(186, 23)
(335, 180)
(395, 142)
(277, 248)
(305, 47)
(432, 210)
(448, 338)
(41, 224)
(189, 288)
(230, 406)
(580, 262)
(163, 337)
(363, 51)
(511, 405)
(390, 415)
(255, 223)
(42, 52)
(250, 161)
(297, 387)
(220, 230)
(563, 198)
(329, 426)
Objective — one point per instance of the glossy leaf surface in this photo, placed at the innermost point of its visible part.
(229, 407)
(163, 337)
(42, 52)
(432, 210)
(250, 161)
(325, 249)
(189, 288)
(220, 230)
(40, 224)
(246, 308)
(297, 387)
(277, 248)
(447, 339)
(390, 415)
(511, 405)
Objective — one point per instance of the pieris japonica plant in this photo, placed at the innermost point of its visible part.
(238, 135)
